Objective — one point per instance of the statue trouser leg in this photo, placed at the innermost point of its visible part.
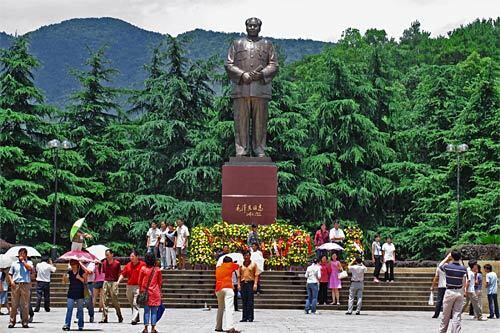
(259, 125)
(241, 123)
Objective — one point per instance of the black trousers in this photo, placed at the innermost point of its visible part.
(389, 273)
(42, 291)
(247, 298)
(378, 266)
(235, 289)
(439, 301)
(323, 293)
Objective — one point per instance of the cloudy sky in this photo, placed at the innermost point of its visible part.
(315, 19)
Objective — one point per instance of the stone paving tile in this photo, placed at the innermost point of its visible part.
(267, 321)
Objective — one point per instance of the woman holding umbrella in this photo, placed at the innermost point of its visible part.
(77, 278)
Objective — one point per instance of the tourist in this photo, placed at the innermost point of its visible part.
(153, 239)
(131, 271)
(223, 252)
(334, 282)
(453, 301)
(78, 240)
(235, 289)
(248, 279)
(440, 280)
(253, 236)
(358, 271)
(492, 291)
(98, 285)
(171, 240)
(255, 249)
(478, 287)
(77, 278)
(20, 285)
(111, 268)
(89, 269)
(323, 282)
(162, 248)
(182, 243)
(313, 276)
(150, 281)
(471, 296)
(336, 234)
(4, 290)
(225, 295)
(321, 237)
(44, 270)
(376, 258)
(389, 257)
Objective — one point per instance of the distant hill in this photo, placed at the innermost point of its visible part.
(63, 46)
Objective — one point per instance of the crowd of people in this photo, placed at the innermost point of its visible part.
(458, 287)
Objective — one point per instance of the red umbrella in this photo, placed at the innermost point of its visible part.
(79, 256)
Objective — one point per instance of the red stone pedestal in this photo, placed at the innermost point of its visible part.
(249, 190)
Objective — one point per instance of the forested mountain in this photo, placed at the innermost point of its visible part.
(63, 46)
(358, 131)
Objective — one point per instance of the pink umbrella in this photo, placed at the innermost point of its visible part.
(79, 256)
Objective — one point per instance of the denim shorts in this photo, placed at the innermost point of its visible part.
(3, 297)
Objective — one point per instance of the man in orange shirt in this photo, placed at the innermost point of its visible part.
(131, 271)
(225, 294)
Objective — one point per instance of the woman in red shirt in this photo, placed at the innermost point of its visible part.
(326, 270)
(321, 237)
(150, 271)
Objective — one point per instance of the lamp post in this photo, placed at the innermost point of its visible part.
(56, 145)
(458, 150)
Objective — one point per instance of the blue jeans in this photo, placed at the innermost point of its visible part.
(69, 311)
(89, 304)
(493, 305)
(150, 311)
(312, 297)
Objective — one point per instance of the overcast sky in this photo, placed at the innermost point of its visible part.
(315, 19)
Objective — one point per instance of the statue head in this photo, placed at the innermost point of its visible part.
(253, 25)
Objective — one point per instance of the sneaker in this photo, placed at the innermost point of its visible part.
(434, 316)
(482, 319)
(65, 328)
(348, 313)
(376, 280)
(11, 325)
(392, 281)
(358, 313)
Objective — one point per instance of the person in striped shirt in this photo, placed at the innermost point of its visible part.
(454, 296)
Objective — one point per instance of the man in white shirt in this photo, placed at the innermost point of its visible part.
(337, 234)
(89, 303)
(358, 271)
(472, 298)
(313, 275)
(44, 270)
(389, 257)
(182, 243)
(440, 280)
(153, 239)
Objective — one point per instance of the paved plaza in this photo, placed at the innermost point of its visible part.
(272, 321)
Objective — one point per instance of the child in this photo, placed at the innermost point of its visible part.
(491, 287)
(4, 289)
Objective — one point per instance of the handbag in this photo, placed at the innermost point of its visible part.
(142, 298)
(383, 269)
(343, 275)
(431, 298)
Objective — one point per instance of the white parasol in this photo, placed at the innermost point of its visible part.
(98, 250)
(238, 257)
(13, 251)
(331, 247)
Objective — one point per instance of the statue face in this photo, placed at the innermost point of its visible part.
(253, 28)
